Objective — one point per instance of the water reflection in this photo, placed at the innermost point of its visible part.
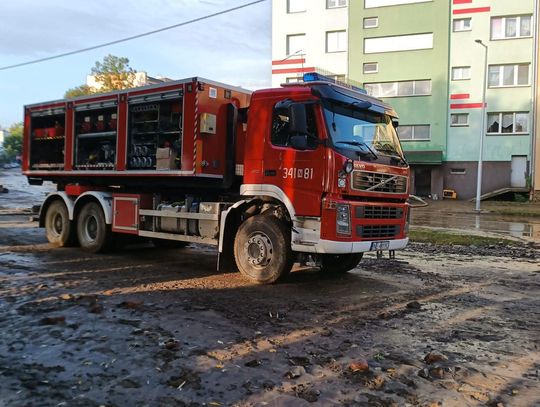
(515, 227)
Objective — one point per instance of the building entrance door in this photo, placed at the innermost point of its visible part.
(519, 169)
(422, 181)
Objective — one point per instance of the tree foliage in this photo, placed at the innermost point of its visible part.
(112, 73)
(13, 141)
(82, 90)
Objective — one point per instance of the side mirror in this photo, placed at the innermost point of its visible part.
(299, 142)
(298, 119)
(395, 123)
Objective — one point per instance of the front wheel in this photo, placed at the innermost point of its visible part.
(60, 230)
(94, 234)
(339, 263)
(262, 249)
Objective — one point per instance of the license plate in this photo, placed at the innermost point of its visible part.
(383, 245)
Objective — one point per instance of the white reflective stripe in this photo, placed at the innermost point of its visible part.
(333, 247)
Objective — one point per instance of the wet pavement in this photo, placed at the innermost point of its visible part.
(461, 216)
(437, 326)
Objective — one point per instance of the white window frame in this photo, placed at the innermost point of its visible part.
(462, 25)
(397, 43)
(396, 86)
(287, 44)
(367, 72)
(297, 11)
(376, 20)
(343, 47)
(413, 132)
(461, 70)
(518, 27)
(337, 4)
(466, 124)
(500, 132)
(516, 76)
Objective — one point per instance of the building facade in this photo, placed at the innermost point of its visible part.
(400, 54)
(308, 35)
(426, 58)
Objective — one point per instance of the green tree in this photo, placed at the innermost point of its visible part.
(113, 73)
(78, 91)
(13, 141)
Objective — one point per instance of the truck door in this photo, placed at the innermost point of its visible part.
(298, 173)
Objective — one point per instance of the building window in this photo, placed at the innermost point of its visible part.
(371, 67)
(336, 3)
(294, 79)
(460, 73)
(371, 22)
(510, 27)
(396, 89)
(508, 123)
(398, 43)
(462, 24)
(459, 119)
(458, 171)
(383, 3)
(296, 6)
(296, 43)
(414, 132)
(508, 75)
(336, 41)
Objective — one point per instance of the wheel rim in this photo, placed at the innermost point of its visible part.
(91, 228)
(57, 224)
(259, 249)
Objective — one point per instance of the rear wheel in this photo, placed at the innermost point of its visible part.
(339, 263)
(94, 234)
(60, 230)
(262, 249)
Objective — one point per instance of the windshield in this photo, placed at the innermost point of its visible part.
(365, 131)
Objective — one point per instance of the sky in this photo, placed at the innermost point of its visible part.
(234, 48)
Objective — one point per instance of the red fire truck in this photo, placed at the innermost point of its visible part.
(311, 170)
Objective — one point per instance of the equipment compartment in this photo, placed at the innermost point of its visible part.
(47, 139)
(152, 126)
(95, 138)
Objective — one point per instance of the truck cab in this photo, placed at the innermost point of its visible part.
(331, 154)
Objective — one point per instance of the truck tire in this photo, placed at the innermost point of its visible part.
(94, 234)
(59, 229)
(262, 249)
(339, 263)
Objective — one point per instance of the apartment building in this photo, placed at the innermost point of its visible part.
(422, 57)
(400, 54)
(308, 35)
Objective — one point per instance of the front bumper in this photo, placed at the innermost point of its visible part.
(333, 247)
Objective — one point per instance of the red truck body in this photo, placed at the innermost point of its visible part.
(270, 177)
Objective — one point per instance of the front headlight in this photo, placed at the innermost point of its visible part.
(343, 219)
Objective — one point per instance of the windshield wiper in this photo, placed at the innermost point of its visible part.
(359, 144)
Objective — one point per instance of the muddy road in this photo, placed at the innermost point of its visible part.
(155, 327)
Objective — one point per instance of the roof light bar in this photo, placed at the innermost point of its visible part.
(317, 77)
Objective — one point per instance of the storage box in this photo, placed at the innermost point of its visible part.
(165, 159)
